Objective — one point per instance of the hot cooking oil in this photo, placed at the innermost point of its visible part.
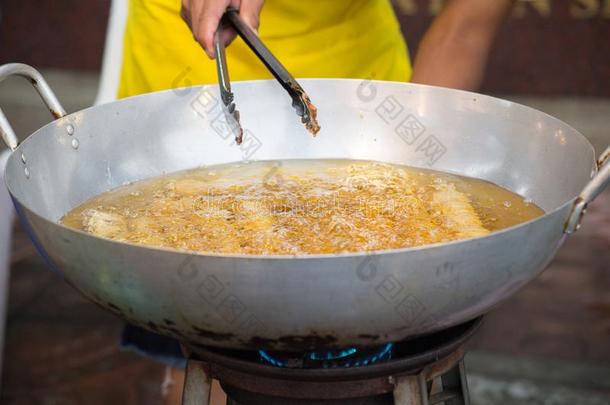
(298, 207)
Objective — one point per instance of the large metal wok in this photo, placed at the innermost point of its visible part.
(285, 302)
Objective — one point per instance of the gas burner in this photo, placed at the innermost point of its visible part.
(341, 358)
(423, 370)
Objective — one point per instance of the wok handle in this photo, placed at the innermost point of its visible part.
(588, 194)
(45, 92)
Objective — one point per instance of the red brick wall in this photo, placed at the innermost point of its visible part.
(549, 47)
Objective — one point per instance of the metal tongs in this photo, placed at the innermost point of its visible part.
(300, 99)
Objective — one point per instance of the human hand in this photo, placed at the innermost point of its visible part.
(203, 18)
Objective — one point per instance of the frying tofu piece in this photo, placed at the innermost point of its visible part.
(458, 212)
(104, 224)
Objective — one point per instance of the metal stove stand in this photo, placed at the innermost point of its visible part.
(425, 371)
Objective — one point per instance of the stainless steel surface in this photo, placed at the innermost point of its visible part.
(7, 133)
(40, 84)
(300, 99)
(591, 190)
(286, 302)
(603, 158)
(230, 111)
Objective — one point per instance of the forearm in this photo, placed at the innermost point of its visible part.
(455, 50)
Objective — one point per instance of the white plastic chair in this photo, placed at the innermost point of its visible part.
(113, 53)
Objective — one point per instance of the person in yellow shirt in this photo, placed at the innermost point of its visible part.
(312, 38)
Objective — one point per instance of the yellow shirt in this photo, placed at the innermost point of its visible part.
(312, 38)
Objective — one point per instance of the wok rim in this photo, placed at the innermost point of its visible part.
(318, 256)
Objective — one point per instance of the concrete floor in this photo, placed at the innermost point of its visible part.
(550, 344)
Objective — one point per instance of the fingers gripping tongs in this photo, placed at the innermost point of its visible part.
(300, 99)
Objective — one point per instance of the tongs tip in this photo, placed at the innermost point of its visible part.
(310, 121)
(306, 110)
